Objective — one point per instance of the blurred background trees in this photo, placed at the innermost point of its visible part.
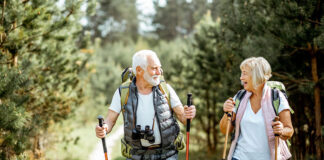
(114, 21)
(61, 62)
(40, 62)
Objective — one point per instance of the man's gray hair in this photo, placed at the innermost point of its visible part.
(140, 59)
(260, 70)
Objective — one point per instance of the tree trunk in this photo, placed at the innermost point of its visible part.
(14, 62)
(37, 152)
(215, 139)
(2, 15)
(209, 139)
(215, 122)
(317, 98)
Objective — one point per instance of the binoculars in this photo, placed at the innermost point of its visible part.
(146, 134)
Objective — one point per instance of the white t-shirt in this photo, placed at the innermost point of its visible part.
(252, 143)
(145, 112)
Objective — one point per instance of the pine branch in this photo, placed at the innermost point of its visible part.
(70, 13)
(48, 32)
(312, 21)
(6, 62)
(300, 81)
(293, 52)
(286, 44)
(13, 28)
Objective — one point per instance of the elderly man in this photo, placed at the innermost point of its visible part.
(151, 130)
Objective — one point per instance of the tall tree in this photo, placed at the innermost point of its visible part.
(114, 20)
(40, 61)
(177, 17)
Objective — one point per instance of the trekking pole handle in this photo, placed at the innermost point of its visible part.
(100, 119)
(228, 114)
(189, 103)
(275, 120)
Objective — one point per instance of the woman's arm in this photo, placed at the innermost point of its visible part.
(283, 127)
(224, 121)
(228, 106)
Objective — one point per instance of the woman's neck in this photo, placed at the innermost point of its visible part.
(258, 91)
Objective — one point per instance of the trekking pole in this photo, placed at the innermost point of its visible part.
(276, 139)
(189, 103)
(229, 116)
(100, 118)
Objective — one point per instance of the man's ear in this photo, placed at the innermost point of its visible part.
(139, 70)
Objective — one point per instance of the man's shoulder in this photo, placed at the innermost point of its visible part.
(169, 86)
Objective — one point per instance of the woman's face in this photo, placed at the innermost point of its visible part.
(246, 78)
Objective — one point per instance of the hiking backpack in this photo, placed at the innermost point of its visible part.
(276, 87)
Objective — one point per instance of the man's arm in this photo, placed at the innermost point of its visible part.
(184, 113)
(111, 119)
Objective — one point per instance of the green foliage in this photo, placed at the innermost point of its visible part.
(107, 65)
(114, 20)
(286, 33)
(181, 15)
(208, 70)
(39, 71)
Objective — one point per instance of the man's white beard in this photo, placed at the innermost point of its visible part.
(150, 79)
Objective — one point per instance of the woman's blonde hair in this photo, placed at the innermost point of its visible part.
(260, 70)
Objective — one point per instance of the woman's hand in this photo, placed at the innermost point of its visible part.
(229, 105)
(277, 127)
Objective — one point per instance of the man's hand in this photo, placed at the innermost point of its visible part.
(101, 131)
(189, 112)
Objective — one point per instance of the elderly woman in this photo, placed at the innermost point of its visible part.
(254, 129)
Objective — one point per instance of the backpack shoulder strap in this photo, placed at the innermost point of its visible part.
(239, 96)
(124, 92)
(164, 89)
(276, 100)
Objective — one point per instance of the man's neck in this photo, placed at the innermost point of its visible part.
(143, 86)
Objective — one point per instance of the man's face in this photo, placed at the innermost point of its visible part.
(153, 71)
